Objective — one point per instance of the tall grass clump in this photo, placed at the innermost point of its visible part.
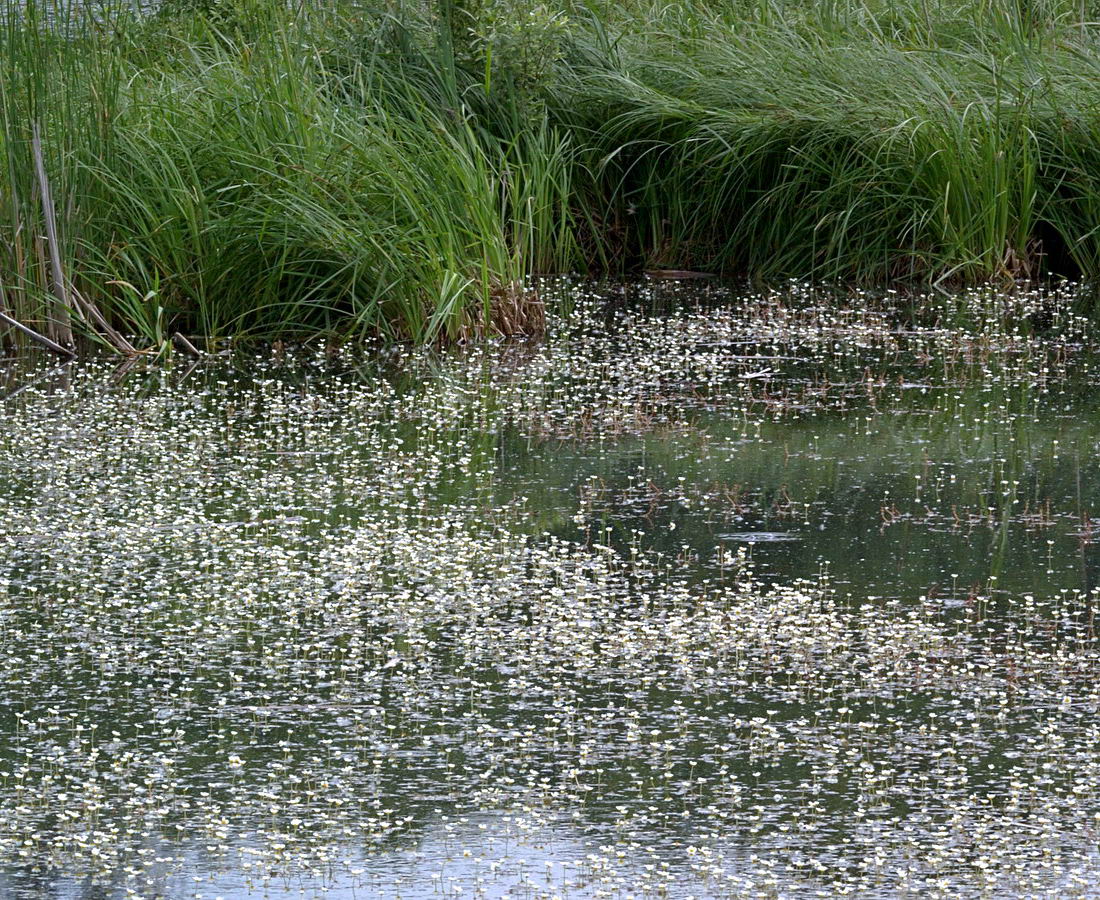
(785, 146)
(251, 168)
(238, 185)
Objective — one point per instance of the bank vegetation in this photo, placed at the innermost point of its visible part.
(227, 169)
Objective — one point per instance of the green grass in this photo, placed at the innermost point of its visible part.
(252, 169)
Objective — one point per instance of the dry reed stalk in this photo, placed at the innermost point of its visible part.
(185, 345)
(35, 336)
(68, 299)
(5, 333)
(60, 319)
(94, 317)
(516, 310)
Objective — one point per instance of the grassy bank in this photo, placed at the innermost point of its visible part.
(247, 168)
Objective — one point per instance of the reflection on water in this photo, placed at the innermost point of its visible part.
(754, 595)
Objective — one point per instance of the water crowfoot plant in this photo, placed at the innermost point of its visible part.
(395, 625)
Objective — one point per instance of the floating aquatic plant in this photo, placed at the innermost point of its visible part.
(496, 620)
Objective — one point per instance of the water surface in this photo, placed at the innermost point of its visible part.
(713, 594)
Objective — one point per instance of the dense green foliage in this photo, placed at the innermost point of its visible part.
(233, 168)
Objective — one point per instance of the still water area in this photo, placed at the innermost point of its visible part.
(713, 593)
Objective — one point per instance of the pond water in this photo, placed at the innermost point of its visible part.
(712, 594)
